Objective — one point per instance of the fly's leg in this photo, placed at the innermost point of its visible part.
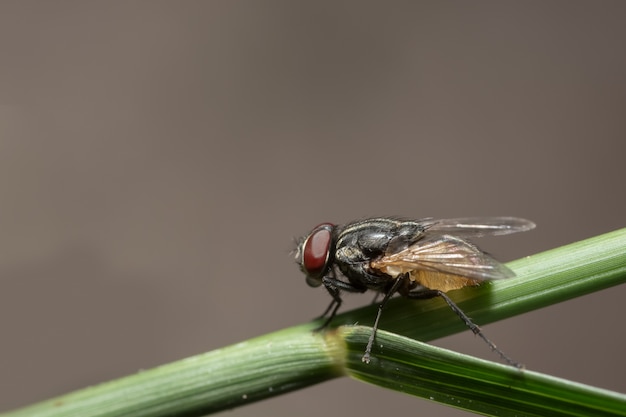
(334, 287)
(392, 290)
(375, 299)
(424, 294)
(332, 307)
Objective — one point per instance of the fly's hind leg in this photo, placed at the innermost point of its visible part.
(427, 293)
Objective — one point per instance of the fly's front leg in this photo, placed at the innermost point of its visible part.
(334, 288)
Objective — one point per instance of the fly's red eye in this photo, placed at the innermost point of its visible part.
(316, 251)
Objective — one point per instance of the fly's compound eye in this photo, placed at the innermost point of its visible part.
(316, 254)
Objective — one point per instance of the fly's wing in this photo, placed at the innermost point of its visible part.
(473, 227)
(443, 255)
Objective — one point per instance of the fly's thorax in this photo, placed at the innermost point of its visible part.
(360, 275)
(376, 237)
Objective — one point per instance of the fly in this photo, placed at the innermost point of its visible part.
(418, 259)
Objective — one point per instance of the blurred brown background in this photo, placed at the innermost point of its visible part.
(157, 159)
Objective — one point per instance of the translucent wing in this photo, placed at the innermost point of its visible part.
(479, 226)
(445, 255)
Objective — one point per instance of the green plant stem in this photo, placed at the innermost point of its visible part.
(225, 378)
(472, 384)
(294, 358)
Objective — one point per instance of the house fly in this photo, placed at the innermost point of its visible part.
(418, 259)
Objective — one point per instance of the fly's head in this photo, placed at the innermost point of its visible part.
(315, 253)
